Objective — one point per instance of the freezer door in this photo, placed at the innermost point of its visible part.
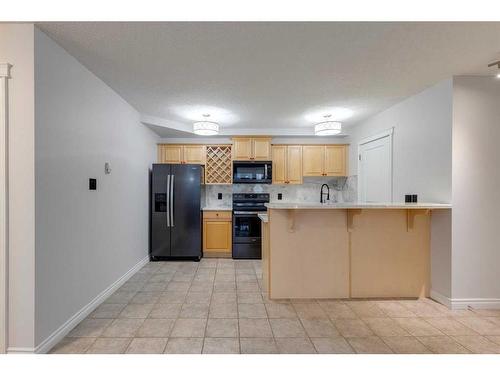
(160, 226)
(186, 215)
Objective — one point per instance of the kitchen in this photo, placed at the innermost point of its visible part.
(240, 177)
(232, 227)
(339, 207)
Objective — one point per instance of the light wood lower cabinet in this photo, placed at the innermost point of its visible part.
(217, 234)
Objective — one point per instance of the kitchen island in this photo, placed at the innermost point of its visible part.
(347, 250)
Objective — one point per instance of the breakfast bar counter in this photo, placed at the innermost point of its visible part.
(347, 250)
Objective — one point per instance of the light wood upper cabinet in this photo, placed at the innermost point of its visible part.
(287, 164)
(279, 164)
(251, 148)
(261, 148)
(170, 154)
(194, 154)
(242, 148)
(336, 160)
(294, 164)
(325, 160)
(290, 162)
(313, 161)
(182, 154)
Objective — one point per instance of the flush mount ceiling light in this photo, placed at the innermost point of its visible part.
(327, 127)
(206, 127)
(497, 63)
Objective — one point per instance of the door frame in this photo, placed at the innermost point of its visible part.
(4, 205)
(386, 133)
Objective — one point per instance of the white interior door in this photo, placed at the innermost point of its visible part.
(375, 169)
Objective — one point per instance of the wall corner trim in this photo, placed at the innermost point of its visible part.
(72, 322)
(5, 70)
(441, 298)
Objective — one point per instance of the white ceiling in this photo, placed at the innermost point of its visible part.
(273, 78)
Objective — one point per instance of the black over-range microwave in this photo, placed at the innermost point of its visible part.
(252, 172)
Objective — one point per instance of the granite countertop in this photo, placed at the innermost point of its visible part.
(354, 205)
(263, 217)
(213, 208)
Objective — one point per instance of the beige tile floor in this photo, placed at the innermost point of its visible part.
(217, 306)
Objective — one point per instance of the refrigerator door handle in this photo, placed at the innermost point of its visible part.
(172, 201)
(168, 200)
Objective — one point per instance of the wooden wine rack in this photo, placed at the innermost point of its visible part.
(219, 166)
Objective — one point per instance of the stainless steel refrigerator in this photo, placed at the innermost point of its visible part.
(175, 212)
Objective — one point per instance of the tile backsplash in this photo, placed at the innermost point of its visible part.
(342, 189)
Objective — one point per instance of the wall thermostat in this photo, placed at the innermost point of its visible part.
(107, 168)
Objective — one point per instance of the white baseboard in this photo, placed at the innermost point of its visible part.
(72, 322)
(476, 303)
(465, 303)
(20, 350)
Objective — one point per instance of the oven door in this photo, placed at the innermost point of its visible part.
(246, 236)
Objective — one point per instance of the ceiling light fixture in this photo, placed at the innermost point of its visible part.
(206, 127)
(327, 127)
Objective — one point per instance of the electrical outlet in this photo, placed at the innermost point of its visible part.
(280, 196)
(219, 195)
(92, 184)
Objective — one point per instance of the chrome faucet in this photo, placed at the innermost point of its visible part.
(321, 200)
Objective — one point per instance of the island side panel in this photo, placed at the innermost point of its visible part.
(309, 255)
(389, 259)
(265, 257)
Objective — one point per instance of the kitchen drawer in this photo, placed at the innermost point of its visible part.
(217, 215)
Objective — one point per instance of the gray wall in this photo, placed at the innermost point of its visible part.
(85, 240)
(422, 143)
(476, 183)
(441, 255)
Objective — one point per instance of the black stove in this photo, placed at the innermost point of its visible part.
(247, 234)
